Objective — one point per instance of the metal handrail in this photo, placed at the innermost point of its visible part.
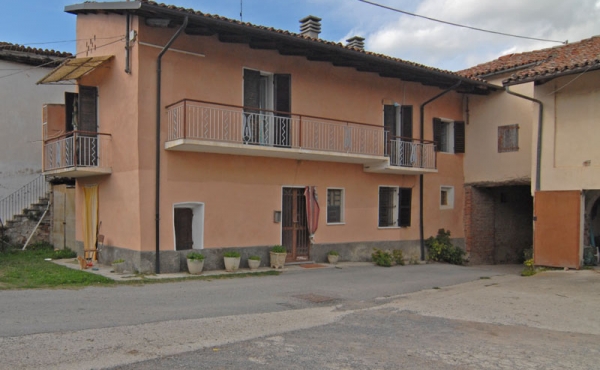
(19, 200)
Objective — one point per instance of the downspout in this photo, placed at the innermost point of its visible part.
(158, 102)
(538, 159)
(421, 177)
(127, 48)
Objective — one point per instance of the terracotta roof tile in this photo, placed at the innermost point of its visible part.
(288, 33)
(544, 63)
(29, 55)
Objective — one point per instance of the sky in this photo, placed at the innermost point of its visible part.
(44, 24)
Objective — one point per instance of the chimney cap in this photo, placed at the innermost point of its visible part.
(356, 42)
(310, 18)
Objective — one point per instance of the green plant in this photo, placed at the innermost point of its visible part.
(333, 253)
(382, 258)
(398, 257)
(64, 253)
(120, 260)
(441, 249)
(232, 254)
(195, 256)
(529, 269)
(414, 260)
(254, 258)
(278, 249)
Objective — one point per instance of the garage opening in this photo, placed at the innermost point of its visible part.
(498, 223)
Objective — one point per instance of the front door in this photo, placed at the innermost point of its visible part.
(295, 236)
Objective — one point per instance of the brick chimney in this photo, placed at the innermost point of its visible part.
(356, 42)
(310, 26)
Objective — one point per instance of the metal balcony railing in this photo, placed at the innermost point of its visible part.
(77, 149)
(199, 120)
(405, 152)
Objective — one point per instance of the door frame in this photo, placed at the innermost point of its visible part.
(198, 210)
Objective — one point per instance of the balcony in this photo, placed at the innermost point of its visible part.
(77, 154)
(200, 126)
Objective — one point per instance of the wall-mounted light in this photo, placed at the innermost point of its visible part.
(277, 216)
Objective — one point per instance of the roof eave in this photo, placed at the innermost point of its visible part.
(550, 76)
(120, 5)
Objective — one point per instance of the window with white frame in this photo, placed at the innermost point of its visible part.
(446, 197)
(394, 206)
(448, 135)
(335, 206)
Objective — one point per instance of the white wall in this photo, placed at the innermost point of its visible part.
(21, 103)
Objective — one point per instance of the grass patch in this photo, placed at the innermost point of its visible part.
(484, 278)
(28, 270)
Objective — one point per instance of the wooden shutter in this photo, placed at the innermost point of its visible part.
(407, 121)
(251, 88)
(282, 95)
(183, 229)
(88, 109)
(437, 133)
(389, 120)
(404, 210)
(459, 137)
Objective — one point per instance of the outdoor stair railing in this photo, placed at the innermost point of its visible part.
(23, 198)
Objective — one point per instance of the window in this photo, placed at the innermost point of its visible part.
(508, 138)
(446, 197)
(394, 206)
(449, 136)
(335, 206)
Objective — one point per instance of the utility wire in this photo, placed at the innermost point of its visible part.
(57, 42)
(459, 25)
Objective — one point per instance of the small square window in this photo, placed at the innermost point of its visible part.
(335, 206)
(508, 138)
(446, 197)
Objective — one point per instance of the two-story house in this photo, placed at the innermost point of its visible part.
(545, 122)
(196, 131)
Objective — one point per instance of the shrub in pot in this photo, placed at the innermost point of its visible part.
(278, 254)
(253, 262)
(333, 257)
(195, 262)
(232, 261)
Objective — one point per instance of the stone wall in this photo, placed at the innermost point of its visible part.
(19, 229)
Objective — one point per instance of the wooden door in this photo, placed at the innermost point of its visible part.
(183, 228)
(295, 237)
(556, 237)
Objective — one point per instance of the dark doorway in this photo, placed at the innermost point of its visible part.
(183, 229)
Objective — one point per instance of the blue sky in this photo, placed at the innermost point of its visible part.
(41, 23)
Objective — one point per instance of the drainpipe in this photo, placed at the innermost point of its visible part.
(127, 47)
(538, 158)
(421, 178)
(157, 200)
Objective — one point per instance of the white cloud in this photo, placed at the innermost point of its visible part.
(455, 48)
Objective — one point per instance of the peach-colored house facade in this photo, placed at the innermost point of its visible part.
(250, 120)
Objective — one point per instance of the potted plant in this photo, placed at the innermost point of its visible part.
(195, 262)
(253, 262)
(232, 261)
(119, 266)
(333, 257)
(278, 254)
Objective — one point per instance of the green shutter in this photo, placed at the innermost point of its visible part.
(404, 210)
(407, 121)
(437, 133)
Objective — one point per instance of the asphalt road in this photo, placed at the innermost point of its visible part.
(45, 311)
(352, 318)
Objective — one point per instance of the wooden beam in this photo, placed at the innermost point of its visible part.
(234, 39)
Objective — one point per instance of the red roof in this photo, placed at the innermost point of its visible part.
(542, 64)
